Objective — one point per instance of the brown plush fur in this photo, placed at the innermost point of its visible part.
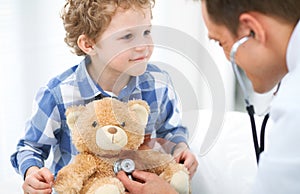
(92, 169)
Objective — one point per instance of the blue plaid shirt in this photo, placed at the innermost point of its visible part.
(47, 128)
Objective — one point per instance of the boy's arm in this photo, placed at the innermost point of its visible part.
(171, 127)
(35, 146)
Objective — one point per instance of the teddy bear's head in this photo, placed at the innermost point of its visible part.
(108, 126)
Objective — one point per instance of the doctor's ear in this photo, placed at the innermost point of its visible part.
(86, 45)
(250, 22)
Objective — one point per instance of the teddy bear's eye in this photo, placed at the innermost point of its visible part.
(122, 124)
(94, 124)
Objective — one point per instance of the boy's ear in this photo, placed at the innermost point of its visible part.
(86, 45)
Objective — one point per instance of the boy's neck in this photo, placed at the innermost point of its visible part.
(112, 82)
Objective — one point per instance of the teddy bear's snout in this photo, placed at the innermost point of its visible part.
(112, 130)
(111, 138)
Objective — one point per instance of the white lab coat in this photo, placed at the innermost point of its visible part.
(279, 167)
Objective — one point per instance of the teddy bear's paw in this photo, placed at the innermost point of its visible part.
(180, 182)
(107, 189)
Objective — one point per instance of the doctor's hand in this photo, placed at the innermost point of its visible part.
(182, 154)
(38, 181)
(148, 183)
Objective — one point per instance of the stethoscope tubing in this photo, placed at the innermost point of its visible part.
(249, 107)
(236, 71)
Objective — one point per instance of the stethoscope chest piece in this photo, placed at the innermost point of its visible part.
(126, 165)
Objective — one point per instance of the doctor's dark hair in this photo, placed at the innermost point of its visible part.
(227, 12)
(92, 17)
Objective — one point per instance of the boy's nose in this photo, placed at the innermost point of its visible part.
(142, 43)
(141, 47)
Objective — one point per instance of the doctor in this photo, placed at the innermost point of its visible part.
(269, 56)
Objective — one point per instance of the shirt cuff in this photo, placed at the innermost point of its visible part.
(29, 163)
(179, 139)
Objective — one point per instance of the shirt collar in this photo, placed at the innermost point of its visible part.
(129, 88)
(136, 84)
(292, 56)
(87, 87)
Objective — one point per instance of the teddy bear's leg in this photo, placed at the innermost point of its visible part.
(107, 185)
(111, 189)
(178, 176)
(180, 181)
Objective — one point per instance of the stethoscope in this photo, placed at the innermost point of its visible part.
(249, 106)
(126, 165)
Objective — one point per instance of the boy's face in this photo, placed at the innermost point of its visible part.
(126, 45)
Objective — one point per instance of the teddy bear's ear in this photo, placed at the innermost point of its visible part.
(72, 113)
(141, 109)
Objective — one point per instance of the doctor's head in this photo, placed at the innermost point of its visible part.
(268, 23)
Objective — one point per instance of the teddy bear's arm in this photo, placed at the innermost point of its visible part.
(70, 179)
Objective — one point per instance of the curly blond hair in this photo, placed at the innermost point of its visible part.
(92, 17)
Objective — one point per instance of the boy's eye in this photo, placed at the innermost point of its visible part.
(147, 32)
(127, 36)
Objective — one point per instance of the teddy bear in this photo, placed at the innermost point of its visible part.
(108, 131)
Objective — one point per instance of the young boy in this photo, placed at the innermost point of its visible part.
(114, 35)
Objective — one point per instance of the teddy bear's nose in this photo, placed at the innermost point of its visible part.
(112, 130)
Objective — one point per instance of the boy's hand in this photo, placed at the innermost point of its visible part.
(182, 154)
(38, 181)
